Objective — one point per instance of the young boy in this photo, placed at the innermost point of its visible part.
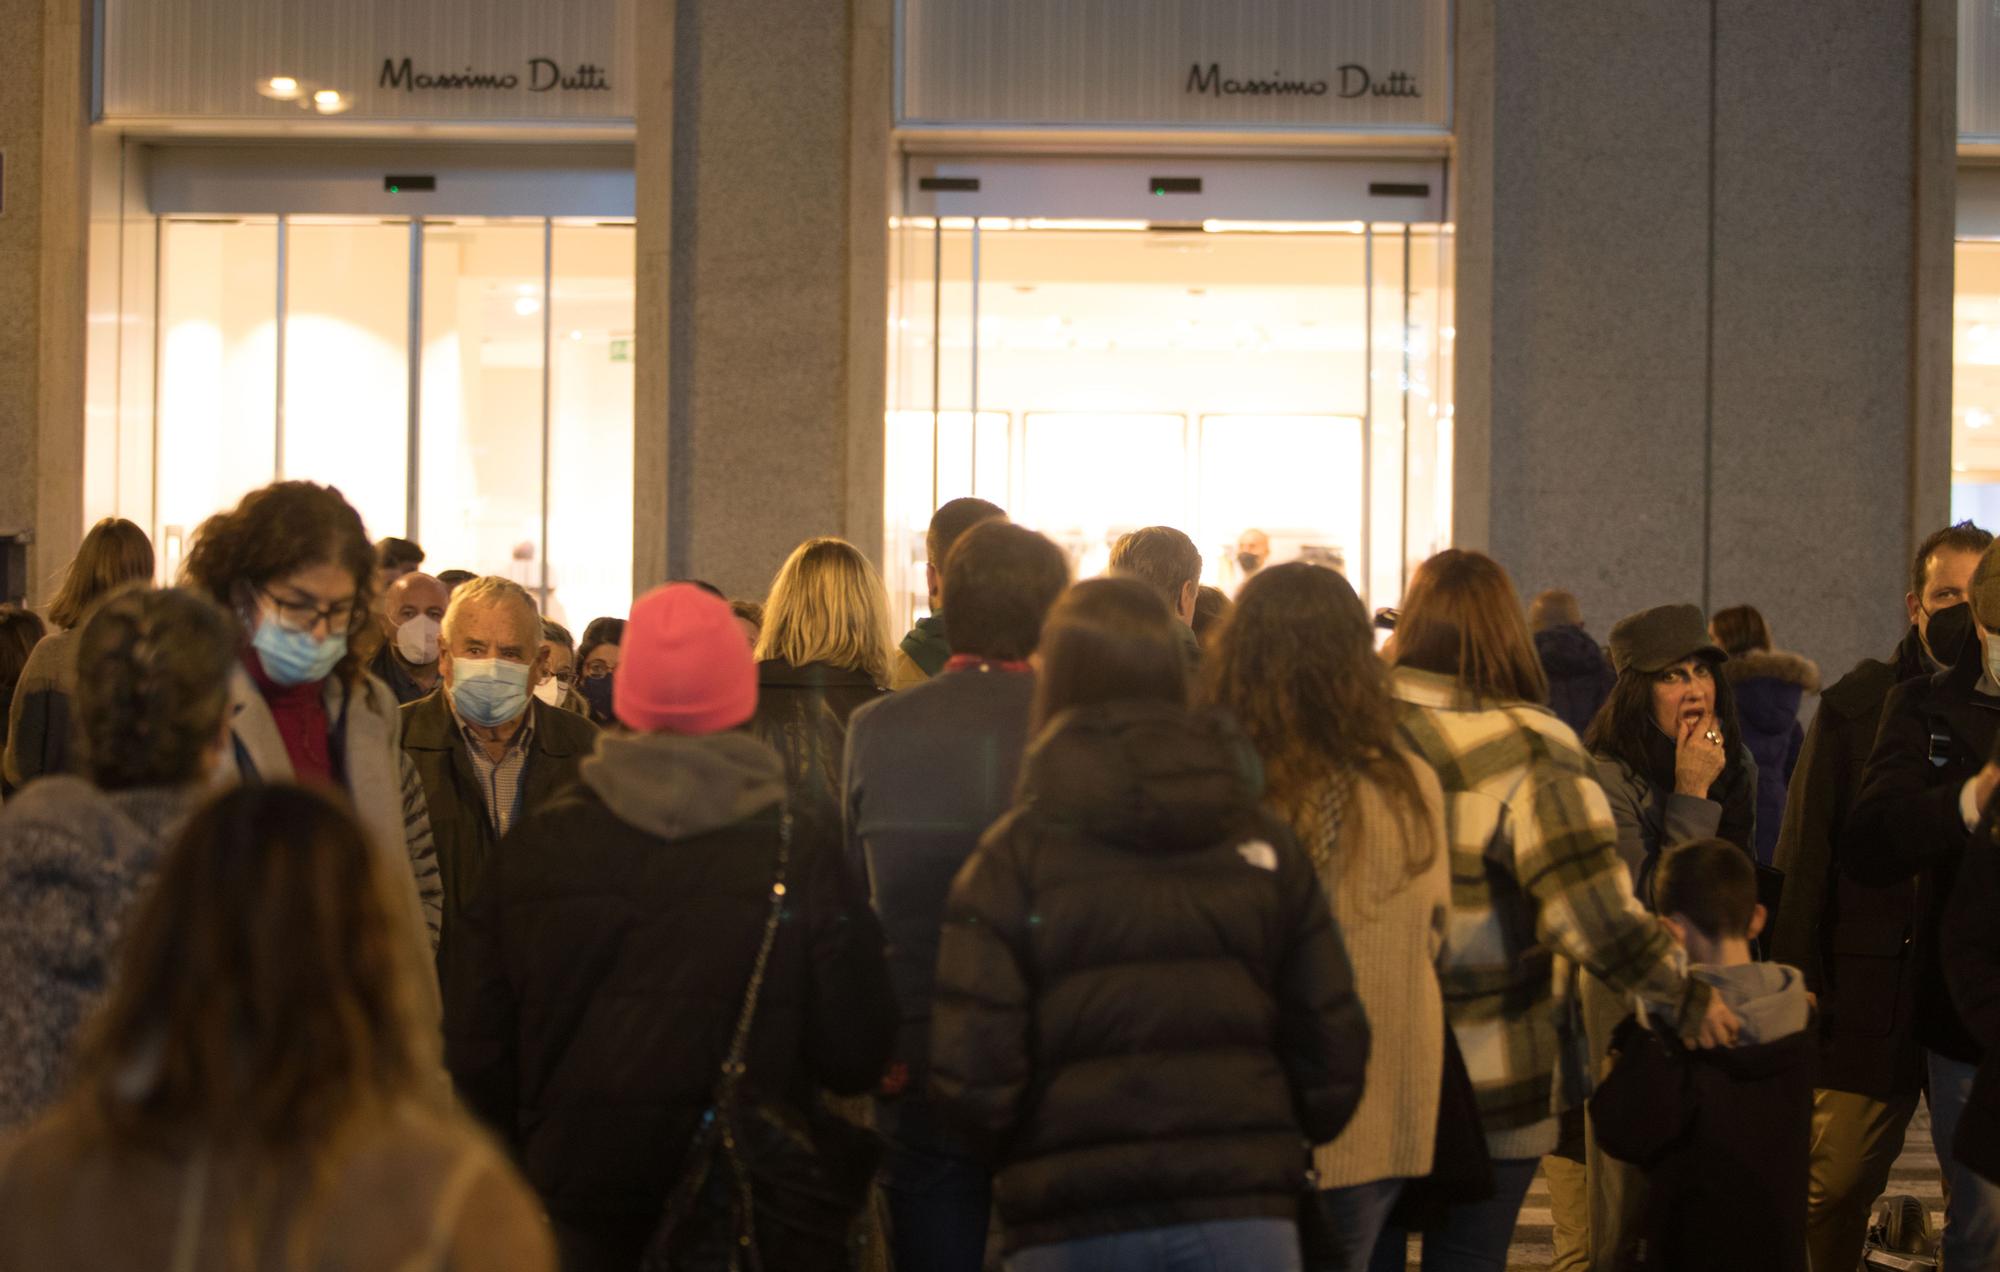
(1723, 1135)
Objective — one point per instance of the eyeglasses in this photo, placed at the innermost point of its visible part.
(595, 670)
(303, 616)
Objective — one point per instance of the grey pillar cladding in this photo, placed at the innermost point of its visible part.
(773, 382)
(1698, 225)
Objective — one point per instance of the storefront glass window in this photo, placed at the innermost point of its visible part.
(1217, 377)
(1975, 385)
(522, 430)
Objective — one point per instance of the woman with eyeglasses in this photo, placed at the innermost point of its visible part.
(597, 664)
(559, 690)
(295, 566)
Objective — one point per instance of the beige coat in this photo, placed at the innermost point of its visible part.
(388, 796)
(420, 1193)
(1393, 925)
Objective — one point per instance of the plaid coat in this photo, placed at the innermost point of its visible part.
(1536, 883)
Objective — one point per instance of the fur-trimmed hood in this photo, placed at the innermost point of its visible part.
(1773, 664)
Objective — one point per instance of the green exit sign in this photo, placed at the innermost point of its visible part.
(621, 350)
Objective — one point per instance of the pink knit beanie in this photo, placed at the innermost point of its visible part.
(684, 666)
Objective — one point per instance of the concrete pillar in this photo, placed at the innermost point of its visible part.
(760, 411)
(44, 208)
(1704, 332)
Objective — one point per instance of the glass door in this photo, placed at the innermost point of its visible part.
(464, 382)
(1094, 376)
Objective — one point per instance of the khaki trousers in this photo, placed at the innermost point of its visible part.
(1617, 1200)
(1855, 1142)
(1569, 1213)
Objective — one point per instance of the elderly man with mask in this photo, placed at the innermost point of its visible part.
(412, 613)
(489, 751)
(1927, 783)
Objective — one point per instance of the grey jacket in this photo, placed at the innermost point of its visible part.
(1651, 820)
(72, 861)
(43, 733)
(387, 793)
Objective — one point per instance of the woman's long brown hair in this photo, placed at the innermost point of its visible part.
(264, 1005)
(1295, 663)
(1462, 618)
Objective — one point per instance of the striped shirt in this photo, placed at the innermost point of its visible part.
(1536, 885)
(499, 780)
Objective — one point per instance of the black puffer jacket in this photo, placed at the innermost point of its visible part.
(597, 976)
(802, 713)
(1143, 1010)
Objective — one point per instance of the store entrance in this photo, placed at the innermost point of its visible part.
(1218, 374)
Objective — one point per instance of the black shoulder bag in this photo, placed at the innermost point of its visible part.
(763, 1185)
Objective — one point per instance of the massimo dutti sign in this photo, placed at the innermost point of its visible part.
(1324, 65)
(449, 61)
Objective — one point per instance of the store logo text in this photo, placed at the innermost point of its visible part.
(544, 75)
(1355, 80)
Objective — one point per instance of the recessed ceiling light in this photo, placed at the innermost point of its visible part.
(527, 306)
(329, 101)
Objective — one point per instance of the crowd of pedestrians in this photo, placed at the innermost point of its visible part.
(356, 917)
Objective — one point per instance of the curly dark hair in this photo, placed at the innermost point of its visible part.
(152, 685)
(275, 531)
(1295, 663)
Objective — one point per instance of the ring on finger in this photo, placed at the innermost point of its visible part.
(1713, 737)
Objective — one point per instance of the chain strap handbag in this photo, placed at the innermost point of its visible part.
(764, 1185)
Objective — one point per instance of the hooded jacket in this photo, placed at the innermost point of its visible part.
(1580, 676)
(1852, 940)
(1725, 1135)
(1769, 685)
(1143, 1011)
(1936, 733)
(596, 978)
(73, 860)
(923, 653)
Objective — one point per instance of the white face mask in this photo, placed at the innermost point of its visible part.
(417, 641)
(550, 691)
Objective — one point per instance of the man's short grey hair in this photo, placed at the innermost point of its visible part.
(491, 589)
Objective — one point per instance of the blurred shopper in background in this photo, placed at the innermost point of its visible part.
(924, 650)
(1769, 685)
(394, 558)
(597, 666)
(260, 1090)
(1295, 664)
(597, 978)
(1168, 561)
(292, 562)
(1579, 675)
(927, 771)
(822, 653)
(153, 679)
(559, 690)
(42, 736)
(750, 617)
(1142, 1005)
(412, 614)
(1211, 606)
(20, 631)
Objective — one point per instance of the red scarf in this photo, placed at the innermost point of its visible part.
(300, 713)
(972, 662)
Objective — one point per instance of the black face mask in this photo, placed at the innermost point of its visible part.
(596, 691)
(1950, 628)
(1249, 562)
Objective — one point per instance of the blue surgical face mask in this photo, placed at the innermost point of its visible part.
(293, 657)
(489, 692)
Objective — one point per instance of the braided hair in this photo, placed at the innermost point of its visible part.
(152, 685)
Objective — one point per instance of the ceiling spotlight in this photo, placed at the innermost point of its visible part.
(328, 101)
(527, 306)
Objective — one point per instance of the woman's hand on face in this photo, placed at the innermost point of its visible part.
(1697, 760)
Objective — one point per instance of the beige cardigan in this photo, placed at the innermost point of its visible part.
(1394, 929)
(417, 1192)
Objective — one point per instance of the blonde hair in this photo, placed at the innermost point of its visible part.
(491, 589)
(828, 605)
